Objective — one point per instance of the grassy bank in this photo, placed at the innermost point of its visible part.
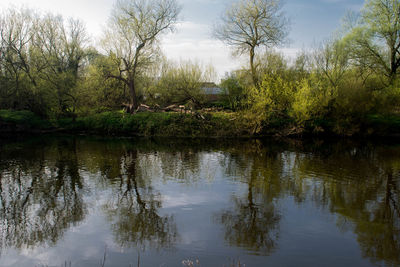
(215, 124)
(157, 124)
(118, 123)
(22, 121)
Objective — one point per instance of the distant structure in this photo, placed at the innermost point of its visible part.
(211, 91)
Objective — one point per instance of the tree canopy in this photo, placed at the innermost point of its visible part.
(247, 25)
(375, 39)
(132, 35)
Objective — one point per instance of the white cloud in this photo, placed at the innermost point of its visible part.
(193, 41)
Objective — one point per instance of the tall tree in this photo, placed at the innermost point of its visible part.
(61, 49)
(15, 42)
(41, 58)
(375, 38)
(249, 24)
(132, 35)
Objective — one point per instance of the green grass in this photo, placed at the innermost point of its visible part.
(213, 124)
(23, 119)
(155, 124)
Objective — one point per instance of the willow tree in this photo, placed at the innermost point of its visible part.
(132, 36)
(249, 24)
(375, 39)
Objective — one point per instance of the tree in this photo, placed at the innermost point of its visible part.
(97, 92)
(233, 90)
(61, 49)
(15, 41)
(249, 24)
(41, 58)
(332, 61)
(180, 83)
(131, 37)
(376, 37)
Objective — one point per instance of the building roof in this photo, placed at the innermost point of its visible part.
(211, 88)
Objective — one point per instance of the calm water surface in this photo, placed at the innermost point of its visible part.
(75, 200)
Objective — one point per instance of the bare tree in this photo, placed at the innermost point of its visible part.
(132, 35)
(249, 24)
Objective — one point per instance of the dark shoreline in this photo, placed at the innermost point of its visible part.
(175, 125)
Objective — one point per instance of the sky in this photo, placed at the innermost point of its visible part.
(312, 22)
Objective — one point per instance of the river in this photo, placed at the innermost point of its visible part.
(93, 201)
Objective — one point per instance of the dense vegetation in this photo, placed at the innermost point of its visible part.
(349, 85)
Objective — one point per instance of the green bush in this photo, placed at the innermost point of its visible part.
(311, 100)
(157, 124)
(25, 119)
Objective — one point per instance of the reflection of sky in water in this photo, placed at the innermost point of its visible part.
(197, 190)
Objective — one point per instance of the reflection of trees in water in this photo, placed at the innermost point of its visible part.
(41, 190)
(182, 166)
(134, 207)
(41, 193)
(362, 187)
(253, 221)
(250, 225)
(40, 198)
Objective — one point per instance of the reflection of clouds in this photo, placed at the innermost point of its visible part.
(195, 238)
(184, 200)
(11, 258)
(41, 255)
(84, 242)
(250, 188)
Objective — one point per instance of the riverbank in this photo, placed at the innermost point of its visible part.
(213, 124)
(217, 124)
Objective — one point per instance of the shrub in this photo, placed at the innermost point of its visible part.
(312, 100)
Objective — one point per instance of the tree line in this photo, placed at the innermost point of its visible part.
(48, 64)
(339, 85)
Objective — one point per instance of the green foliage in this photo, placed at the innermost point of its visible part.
(181, 83)
(332, 62)
(23, 119)
(270, 101)
(271, 63)
(132, 37)
(349, 85)
(388, 98)
(41, 61)
(233, 90)
(97, 92)
(383, 124)
(375, 38)
(312, 100)
(158, 124)
(274, 96)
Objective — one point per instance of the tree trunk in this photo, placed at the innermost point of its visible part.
(394, 60)
(253, 68)
(134, 102)
(393, 65)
